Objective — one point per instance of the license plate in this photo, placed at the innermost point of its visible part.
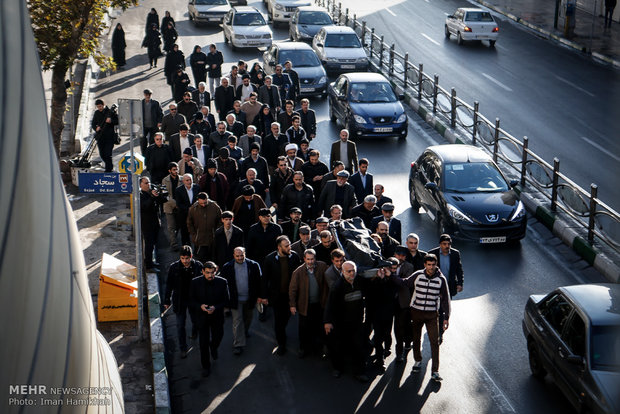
(253, 43)
(306, 89)
(348, 66)
(214, 19)
(385, 129)
(499, 239)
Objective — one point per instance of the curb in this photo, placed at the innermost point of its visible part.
(559, 227)
(551, 36)
(160, 374)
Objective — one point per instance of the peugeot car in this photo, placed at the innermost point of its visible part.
(312, 76)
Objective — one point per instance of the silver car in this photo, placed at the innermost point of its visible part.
(207, 11)
(340, 49)
(307, 21)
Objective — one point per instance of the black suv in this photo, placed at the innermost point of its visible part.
(573, 334)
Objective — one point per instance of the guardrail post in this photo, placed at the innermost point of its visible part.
(526, 141)
(381, 53)
(420, 79)
(372, 40)
(496, 140)
(406, 75)
(593, 196)
(554, 188)
(364, 33)
(354, 21)
(435, 91)
(453, 108)
(391, 72)
(475, 126)
(339, 12)
(346, 17)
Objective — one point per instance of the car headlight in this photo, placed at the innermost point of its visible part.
(362, 60)
(519, 212)
(267, 36)
(238, 36)
(330, 59)
(359, 119)
(279, 6)
(402, 118)
(456, 214)
(323, 79)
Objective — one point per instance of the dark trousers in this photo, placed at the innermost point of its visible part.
(281, 315)
(182, 224)
(311, 327)
(347, 339)
(147, 139)
(210, 333)
(181, 317)
(431, 321)
(105, 146)
(402, 328)
(609, 12)
(150, 241)
(382, 338)
(202, 253)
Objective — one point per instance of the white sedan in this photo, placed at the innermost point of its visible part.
(472, 24)
(246, 27)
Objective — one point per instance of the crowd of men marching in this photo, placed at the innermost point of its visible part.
(249, 206)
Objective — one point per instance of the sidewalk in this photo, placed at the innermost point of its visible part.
(603, 44)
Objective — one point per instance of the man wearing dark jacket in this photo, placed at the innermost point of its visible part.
(185, 196)
(151, 120)
(150, 201)
(214, 67)
(338, 192)
(278, 268)
(290, 228)
(314, 170)
(366, 210)
(218, 139)
(362, 180)
(414, 255)
(178, 287)
(158, 157)
(224, 99)
(308, 119)
(244, 282)
(187, 107)
(271, 147)
(171, 122)
(387, 215)
(298, 194)
(280, 178)
(227, 237)
(201, 96)
(209, 296)
(262, 236)
(103, 124)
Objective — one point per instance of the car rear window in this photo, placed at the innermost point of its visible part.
(473, 177)
(299, 58)
(211, 2)
(314, 17)
(249, 19)
(368, 92)
(479, 17)
(605, 348)
(342, 40)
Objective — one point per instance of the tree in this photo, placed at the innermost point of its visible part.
(64, 30)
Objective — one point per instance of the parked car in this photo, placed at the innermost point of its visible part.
(312, 76)
(207, 11)
(367, 105)
(472, 24)
(246, 27)
(307, 21)
(340, 49)
(466, 194)
(573, 334)
(281, 11)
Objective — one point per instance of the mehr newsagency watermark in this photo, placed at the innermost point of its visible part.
(43, 396)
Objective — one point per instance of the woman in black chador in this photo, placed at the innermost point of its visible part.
(198, 62)
(152, 43)
(118, 46)
(170, 35)
(152, 19)
(166, 19)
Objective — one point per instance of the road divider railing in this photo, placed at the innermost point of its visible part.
(597, 218)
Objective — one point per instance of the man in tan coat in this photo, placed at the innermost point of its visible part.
(308, 292)
(203, 219)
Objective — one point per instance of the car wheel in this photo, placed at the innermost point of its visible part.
(459, 38)
(332, 115)
(447, 32)
(492, 43)
(413, 201)
(536, 366)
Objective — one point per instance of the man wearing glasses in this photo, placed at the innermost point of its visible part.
(172, 121)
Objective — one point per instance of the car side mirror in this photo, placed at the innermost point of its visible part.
(431, 185)
(450, 16)
(401, 97)
(576, 360)
(514, 183)
(319, 44)
(272, 63)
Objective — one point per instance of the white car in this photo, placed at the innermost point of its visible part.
(246, 27)
(207, 11)
(340, 49)
(472, 24)
(281, 11)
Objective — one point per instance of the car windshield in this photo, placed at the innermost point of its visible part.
(371, 92)
(342, 40)
(605, 348)
(249, 19)
(473, 177)
(299, 58)
(480, 16)
(315, 17)
(211, 2)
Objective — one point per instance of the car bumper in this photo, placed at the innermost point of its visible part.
(483, 234)
(479, 36)
(345, 66)
(282, 16)
(309, 90)
(373, 130)
(252, 42)
(209, 18)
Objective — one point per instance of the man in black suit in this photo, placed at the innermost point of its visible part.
(449, 262)
(345, 151)
(338, 191)
(171, 123)
(394, 224)
(224, 99)
(381, 199)
(308, 119)
(150, 200)
(179, 141)
(278, 268)
(201, 96)
(227, 237)
(294, 90)
(244, 282)
(209, 296)
(362, 180)
(185, 196)
(151, 120)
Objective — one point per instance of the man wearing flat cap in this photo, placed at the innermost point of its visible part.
(215, 184)
(339, 192)
(366, 210)
(291, 227)
(190, 165)
(246, 208)
(262, 236)
(394, 224)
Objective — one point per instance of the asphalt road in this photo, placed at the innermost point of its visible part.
(567, 105)
(483, 358)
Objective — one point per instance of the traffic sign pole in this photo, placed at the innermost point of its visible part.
(137, 226)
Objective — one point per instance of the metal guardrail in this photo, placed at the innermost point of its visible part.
(586, 208)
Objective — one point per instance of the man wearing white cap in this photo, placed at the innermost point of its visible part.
(340, 192)
(292, 160)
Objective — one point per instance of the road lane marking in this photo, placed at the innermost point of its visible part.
(573, 85)
(600, 147)
(390, 11)
(431, 40)
(495, 81)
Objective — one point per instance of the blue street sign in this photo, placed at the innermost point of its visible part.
(110, 183)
